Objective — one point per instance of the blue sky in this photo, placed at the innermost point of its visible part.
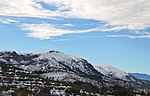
(103, 32)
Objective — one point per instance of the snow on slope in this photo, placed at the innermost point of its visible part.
(51, 61)
(57, 55)
(55, 61)
(113, 72)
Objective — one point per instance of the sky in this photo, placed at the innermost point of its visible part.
(114, 32)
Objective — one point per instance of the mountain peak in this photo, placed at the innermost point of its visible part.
(60, 56)
(2, 52)
(50, 61)
(45, 51)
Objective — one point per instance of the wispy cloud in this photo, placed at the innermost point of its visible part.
(43, 31)
(104, 36)
(141, 36)
(68, 25)
(129, 36)
(60, 40)
(47, 31)
(8, 21)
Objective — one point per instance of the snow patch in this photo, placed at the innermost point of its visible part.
(114, 72)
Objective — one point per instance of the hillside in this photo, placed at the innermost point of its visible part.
(56, 73)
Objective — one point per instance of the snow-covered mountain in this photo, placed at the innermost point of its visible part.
(45, 69)
(52, 64)
(141, 76)
(60, 66)
(55, 65)
(113, 72)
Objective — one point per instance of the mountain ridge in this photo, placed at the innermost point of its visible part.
(58, 66)
(141, 76)
(50, 61)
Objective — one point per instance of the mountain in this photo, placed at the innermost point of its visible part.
(113, 72)
(141, 76)
(52, 64)
(53, 68)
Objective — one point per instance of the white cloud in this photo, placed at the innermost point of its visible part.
(24, 8)
(140, 36)
(68, 25)
(8, 21)
(46, 31)
(122, 14)
(129, 36)
(43, 31)
(61, 40)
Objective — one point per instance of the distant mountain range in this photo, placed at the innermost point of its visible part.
(57, 66)
(141, 76)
